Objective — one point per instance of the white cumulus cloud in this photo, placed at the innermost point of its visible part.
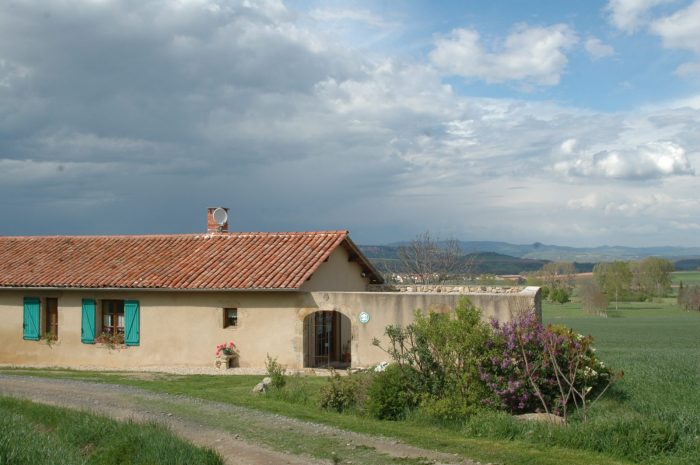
(681, 29)
(597, 49)
(631, 15)
(531, 54)
(650, 160)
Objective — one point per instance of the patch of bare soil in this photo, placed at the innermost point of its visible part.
(228, 429)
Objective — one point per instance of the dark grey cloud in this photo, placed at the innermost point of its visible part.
(132, 117)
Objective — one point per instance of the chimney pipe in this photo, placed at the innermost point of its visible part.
(217, 220)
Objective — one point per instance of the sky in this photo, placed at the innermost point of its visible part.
(570, 123)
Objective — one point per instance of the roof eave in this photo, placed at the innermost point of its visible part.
(147, 289)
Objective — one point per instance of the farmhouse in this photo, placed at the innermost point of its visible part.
(311, 299)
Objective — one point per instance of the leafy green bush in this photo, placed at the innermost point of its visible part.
(559, 295)
(390, 396)
(276, 371)
(438, 357)
(344, 393)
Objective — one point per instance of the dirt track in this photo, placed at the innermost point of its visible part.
(242, 436)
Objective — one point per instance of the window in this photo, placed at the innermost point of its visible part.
(113, 317)
(51, 317)
(30, 319)
(40, 318)
(121, 322)
(230, 317)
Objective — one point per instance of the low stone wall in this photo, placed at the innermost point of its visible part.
(446, 289)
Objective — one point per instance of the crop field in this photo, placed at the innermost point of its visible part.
(687, 277)
(658, 348)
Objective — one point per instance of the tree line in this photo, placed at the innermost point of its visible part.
(612, 281)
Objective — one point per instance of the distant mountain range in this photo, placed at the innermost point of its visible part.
(506, 258)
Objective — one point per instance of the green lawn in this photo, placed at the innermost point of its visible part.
(35, 434)
(652, 416)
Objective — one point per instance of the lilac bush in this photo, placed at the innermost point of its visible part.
(532, 368)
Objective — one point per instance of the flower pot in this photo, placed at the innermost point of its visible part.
(224, 362)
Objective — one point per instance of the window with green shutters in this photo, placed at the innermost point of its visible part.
(31, 320)
(132, 325)
(87, 333)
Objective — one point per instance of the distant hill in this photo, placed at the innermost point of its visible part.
(690, 264)
(496, 263)
(386, 259)
(505, 258)
(539, 251)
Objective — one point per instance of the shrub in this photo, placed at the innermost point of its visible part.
(276, 371)
(559, 295)
(390, 396)
(344, 393)
(545, 292)
(531, 368)
(438, 357)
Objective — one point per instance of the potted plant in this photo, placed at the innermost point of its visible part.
(110, 341)
(226, 354)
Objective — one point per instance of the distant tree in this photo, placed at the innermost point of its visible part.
(679, 298)
(652, 276)
(593, 300)
(614, 278)
(690, 298)
(559, 295)
(558, 275)
(432, 261)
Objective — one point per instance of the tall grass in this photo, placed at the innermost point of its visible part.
(35, 434)
(657, 404)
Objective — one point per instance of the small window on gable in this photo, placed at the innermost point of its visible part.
(230, 317)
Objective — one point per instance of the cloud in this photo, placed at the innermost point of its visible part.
(530, 54)
(651, 160)
(115, 111)
(597, 49)
(356, 15)
(631, 15)
(680, 30)
(688, 69)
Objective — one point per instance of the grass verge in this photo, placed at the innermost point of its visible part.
(36, 434)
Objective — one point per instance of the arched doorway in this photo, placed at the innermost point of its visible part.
(327, 337)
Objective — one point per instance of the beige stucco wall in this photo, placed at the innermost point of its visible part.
(393, 308)
(176, 329)
(183, 328)
(337, 274)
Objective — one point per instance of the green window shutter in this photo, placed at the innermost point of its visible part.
(132, 327)
(87, 334)
(31, 318)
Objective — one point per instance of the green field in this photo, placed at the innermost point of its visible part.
(688, 277)
(658, 348)
(41, 435)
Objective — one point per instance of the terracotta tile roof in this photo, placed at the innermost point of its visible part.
(204, 261)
